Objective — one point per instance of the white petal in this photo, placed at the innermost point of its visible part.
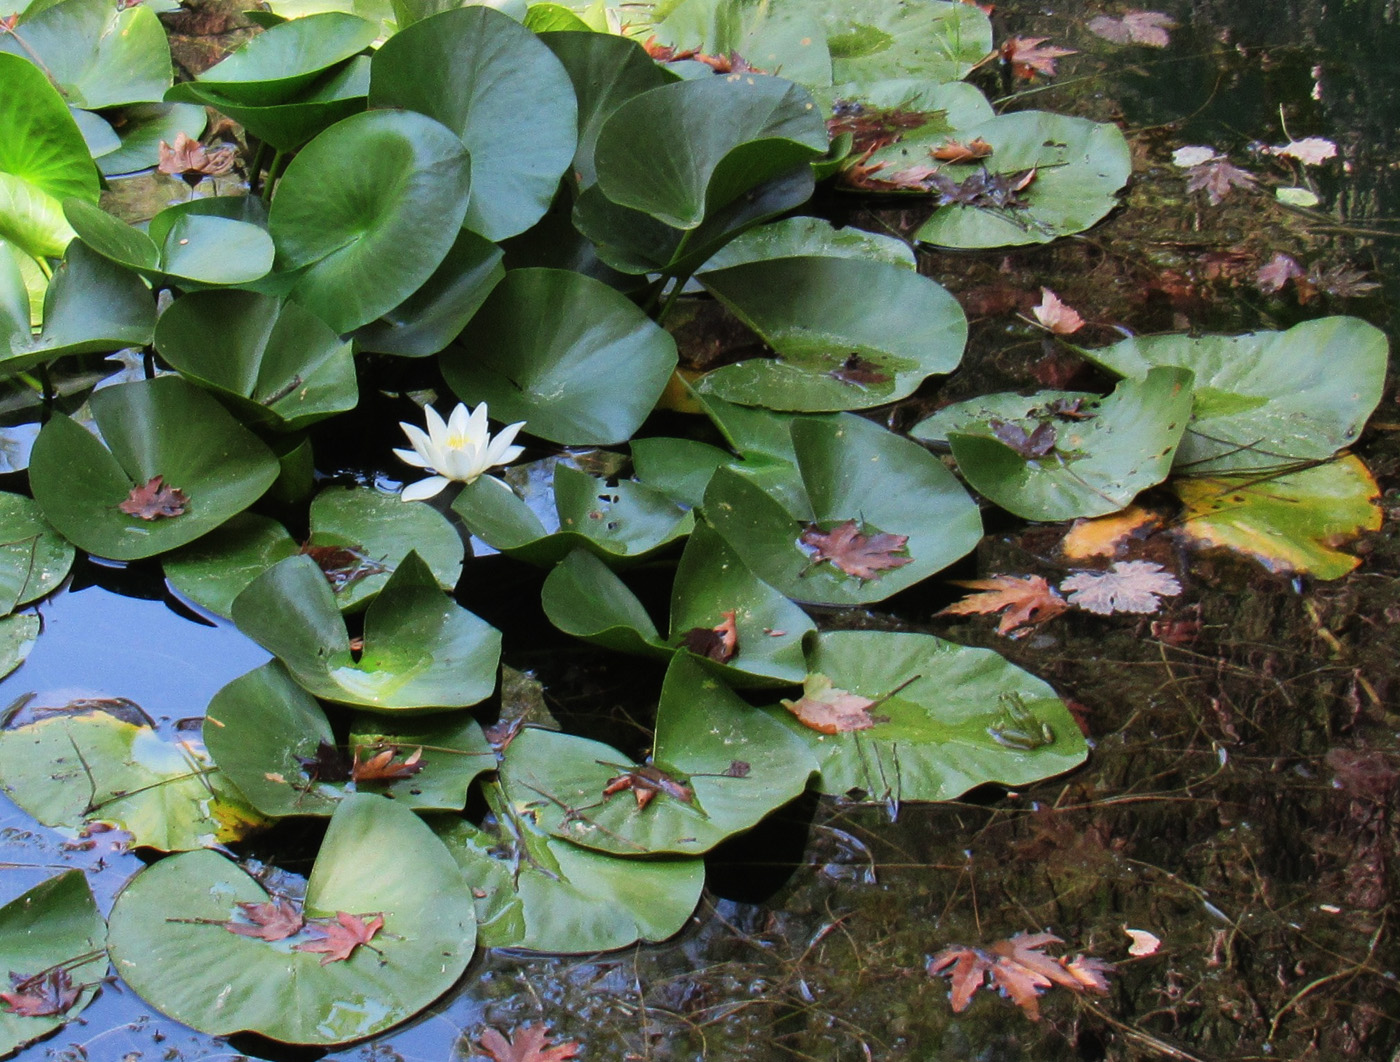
(423, 489)
(478, 427)
(421, 443)
(437, 428)
(457, 422)
(412, 457)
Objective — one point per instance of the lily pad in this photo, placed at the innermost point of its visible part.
(934, 40)
(421, 651)
(835, 349)
(17, 636)
(277, 64)
(805, 237)
(583, 597)
(218, 567)
(1099, 457)
(967, 718)
(163, 427)
(87, 766)
(1289, 521)
(547, 894)
(575, 359)
(143, 127)
(620, 523)
(43, 160)
(498, 87)
(34, 558)
(1078, 166)
(719, 765)
(54, 926)
(850, 470)
(168, 943)
(271, 738)
(273, 363)
(1267, 399)
(351, 202)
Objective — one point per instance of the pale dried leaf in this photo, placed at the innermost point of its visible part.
(1136, 27)
(1310, 151)
(1129, 586)
(1144, 943)
(1028, 601)
(1192, 156)
(1277, 272)
(1054, 316)
(829, 709)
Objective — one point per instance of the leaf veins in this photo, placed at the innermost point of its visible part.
(337, 940)
(153, 500)
(1024, 601)
(853, 551)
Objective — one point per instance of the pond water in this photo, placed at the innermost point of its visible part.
(1240, 799)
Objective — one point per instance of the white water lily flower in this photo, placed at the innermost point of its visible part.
(457, 450)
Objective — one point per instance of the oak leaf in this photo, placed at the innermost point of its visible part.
(339, 939)
(41, 995)
(719, 643)
(528, 1043)
(831, 710)
(381, 766)
(1029, 56)
(956, 151)
(853, 551)
(276, 920)
(1023, 601)
(1129, 586)
(1054, 316)
(153, 500)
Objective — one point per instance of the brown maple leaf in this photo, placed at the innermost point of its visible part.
(153, 500)
(853, 551)
(381, 768)
(41, 995)
(1056, 317)
(720, 643)
(1027, 601)
(646, 782)
(338, 939)
(957, 151)
(192, 160)
(276, 920)
(831, 710)
(527, 1043)
(1029, 56)
(1217, 177)
(1279, 270)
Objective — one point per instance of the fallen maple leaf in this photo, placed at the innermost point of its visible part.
(853, 551)
(1029, 56)
(1054, 316)
(191, 159)
(957, 151)
(381, 768)
(1216, 177)
(1028, 601)
(528, 1043)
(720, 643)
(343, 565)
(153, 500)
(40, 995)
(1029, 444)
(1020, 969)
(1310, 151)
(1129, 586)
(338, 939)
(277, 920)
(829, 709)
(1277, 272)
(1136, 27)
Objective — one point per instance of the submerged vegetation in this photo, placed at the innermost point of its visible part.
(526, 210)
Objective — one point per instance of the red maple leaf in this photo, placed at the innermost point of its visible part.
(853, 551)
(381, 766)
(1029, 56)
(338, 939)
(153, 500)
(41, 995)
(528, 1043)
(277, 920)
(1027, 601)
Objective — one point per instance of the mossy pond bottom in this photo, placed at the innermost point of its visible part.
(1240, 798)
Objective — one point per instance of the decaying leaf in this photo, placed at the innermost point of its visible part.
(1217, 177)
(1037, 442)
(831, 710)
(527, 1043)
(853, 551)
(1054, 316)
(330, 764)
(956, 151)
(1277, 272)
(871, 128)
(343, 565)
(989, 191)
(1193, 155)
(1029, 56)
(1136, 27)
(276, 920)
(1129, 586)
(338, 939)
(720, 642)
(192, 160)
(153, 500)
(646, 783)
(859, 371)
(1105, 536)
(1020, 969)
(1025, 602)
(1144, 943)
(1310, 151)
(41, 995)
(381, 766)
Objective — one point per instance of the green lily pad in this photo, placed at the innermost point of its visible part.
(851, 470)
(143, 127)
(679, 468)
(89, 766)
(1099, 459)
(205, 248)
(43, 160)
(34, 558)
(272, 740)
(497, 86)
(1289, 521)
(273, 363)
(554, 18)
(351, 202)
(18, 634)
(336, 94)
(620, 523)
(547, 894)
(967, 718)
(1078, 165)
(429, 319)
(277, 64)
(946, 105)
(835, 350)
(54, 926)
(92, 305)
(421, 651)
(97, 134)
(1267, 399)
(805, 237)
(99, 55)
(218, 567)
(724, 766)
(163, 427)
(934, 40)
(583, 597)
(723, 137)
(167, 941)
(575, 359)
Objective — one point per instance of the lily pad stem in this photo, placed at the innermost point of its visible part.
(671, 298)
(274, 171)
